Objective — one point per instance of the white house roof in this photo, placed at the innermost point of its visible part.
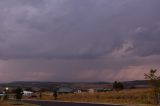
(27, 92)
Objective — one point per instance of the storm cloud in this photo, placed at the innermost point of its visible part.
(78, 40)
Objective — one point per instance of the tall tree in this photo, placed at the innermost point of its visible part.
(118, 86)
(154, 81)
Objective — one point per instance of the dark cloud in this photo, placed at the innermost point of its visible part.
(78, 39)
(146, 41)
(66, 30)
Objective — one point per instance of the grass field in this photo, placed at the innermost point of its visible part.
(131, 96)
(139, 96)
(11, 103)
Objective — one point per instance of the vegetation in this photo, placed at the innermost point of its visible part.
(130, 96)
(11, 103)
(125, 96)
(154, 81)
(118, 86)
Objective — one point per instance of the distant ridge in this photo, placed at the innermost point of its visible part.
(49, 84)
(135, 83)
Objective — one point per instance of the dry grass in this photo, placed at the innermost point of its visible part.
(126, 96)
(9, 103)
(134, 96)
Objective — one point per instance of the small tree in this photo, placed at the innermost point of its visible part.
(19, 93)
(55, 92)
(118, 86)
(154, 81)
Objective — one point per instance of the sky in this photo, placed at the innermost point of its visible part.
(78, 40)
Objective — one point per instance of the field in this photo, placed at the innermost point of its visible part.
(131, 96)
(11, 103)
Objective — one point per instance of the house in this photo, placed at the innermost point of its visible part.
(77, 91)
(2, 89)
(103, 89)
(84, 90)
(2, 95)
(36, 89)
(91, 90)
(27, 93)
(65, 90)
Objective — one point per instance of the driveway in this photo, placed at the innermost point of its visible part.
(54, 103)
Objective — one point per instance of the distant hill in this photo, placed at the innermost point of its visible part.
(129, 84)
(50, 85)
(30, 84)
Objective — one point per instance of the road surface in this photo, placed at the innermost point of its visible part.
(52, 103)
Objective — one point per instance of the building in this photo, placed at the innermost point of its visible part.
(91, 90)
(27, 93)
(65, 90)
